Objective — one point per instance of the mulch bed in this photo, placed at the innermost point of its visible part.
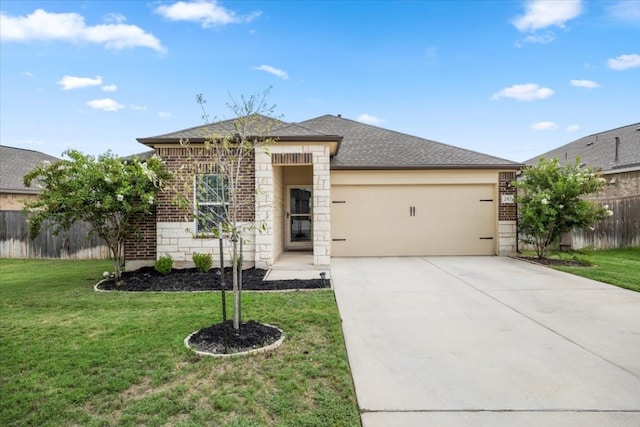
(219, 338)
(251, 335)
(554, 262)
(147, 279)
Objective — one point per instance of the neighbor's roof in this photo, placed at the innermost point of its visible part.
(370, 147)
(599, 150)
(15, 163)
(362, 146)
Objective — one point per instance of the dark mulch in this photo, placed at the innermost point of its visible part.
(189, 280)
(251, 335)
(219, 338)
(556, 262)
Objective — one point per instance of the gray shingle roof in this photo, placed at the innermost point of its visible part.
(225, 127)
(370, 147)
(15, 163)
(599, 150)
(362, 146)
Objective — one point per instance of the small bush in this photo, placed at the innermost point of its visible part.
(164, 264)
(203, 262)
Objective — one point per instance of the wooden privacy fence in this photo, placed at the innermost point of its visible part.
(620, 230)
(73, 244)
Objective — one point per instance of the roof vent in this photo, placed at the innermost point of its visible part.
(339, 115)
(589, 143)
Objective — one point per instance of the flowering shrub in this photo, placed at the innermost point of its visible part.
(107, 192)
(550, 202)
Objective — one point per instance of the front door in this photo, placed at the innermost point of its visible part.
(299, 218)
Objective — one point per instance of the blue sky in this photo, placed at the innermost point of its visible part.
(508, 78)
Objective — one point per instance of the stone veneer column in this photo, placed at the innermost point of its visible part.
(264, 207)
(321, 207)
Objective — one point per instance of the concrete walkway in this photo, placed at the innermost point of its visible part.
(487, 341)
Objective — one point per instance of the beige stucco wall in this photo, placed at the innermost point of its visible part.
(398, 177)
(298, 175)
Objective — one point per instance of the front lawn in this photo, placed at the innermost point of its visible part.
(620, 267)
(71, 356)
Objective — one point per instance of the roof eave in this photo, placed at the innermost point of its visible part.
(153, 141)
(429, 167)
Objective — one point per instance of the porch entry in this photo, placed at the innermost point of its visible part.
(299, 218)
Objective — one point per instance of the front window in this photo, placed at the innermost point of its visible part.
(212, 201)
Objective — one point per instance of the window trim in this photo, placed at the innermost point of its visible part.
(198, 203)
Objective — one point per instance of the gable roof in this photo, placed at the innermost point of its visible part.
(599, 150)
(225, 127)
(370, 147)
(360, 146)
(15, 163)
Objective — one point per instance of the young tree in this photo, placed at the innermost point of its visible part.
(106, 192)
(219, 167)
(550, 202)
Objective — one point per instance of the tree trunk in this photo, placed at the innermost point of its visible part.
(234, 269)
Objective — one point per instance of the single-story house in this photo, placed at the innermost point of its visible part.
(339, 188)
(15, 163)
(616, 154)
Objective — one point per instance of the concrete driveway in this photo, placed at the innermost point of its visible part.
(487, 341)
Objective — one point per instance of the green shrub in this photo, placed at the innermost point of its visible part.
(203, 262)
(164, 264)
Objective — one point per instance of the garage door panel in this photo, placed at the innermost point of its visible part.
(445, 220)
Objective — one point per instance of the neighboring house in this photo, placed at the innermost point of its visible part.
(616, 153)
(15, 241)
(338, 188)
(15, 163)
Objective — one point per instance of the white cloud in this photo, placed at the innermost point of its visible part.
(138, 107)
(164, 115)
(545, 38)
(207, 13)
(71, 82)
(71, 27)
(109, 88)
(573, 128)
(275, 71)
(27, 74)
(525, 92)
(105, 104)
(587, 84)
(369, 119)
(544, 126)
(544, 13)
(624, 62)
(628, 11)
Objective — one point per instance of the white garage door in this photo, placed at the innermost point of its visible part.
(413, 220)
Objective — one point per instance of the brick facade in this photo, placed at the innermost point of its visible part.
(142, 246)
(506, 211)
(158, 234)
(183, 164)
(507, 214)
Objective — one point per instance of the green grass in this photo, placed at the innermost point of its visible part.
(620, 267)
(71, 356)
